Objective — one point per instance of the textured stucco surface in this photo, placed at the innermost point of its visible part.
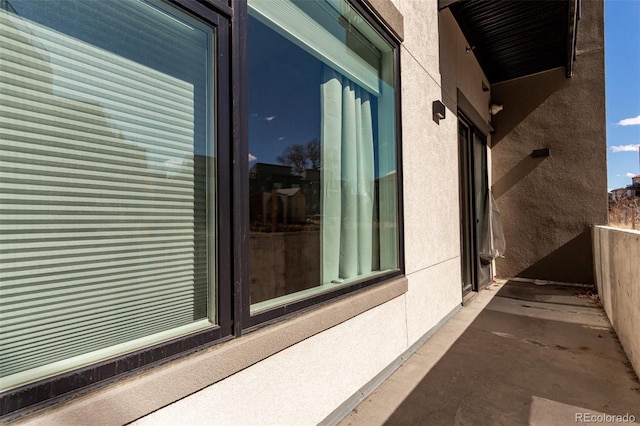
(460, 70)
(430, 172)
(433, 293)
(430, 150)
(303, 384)
(547, 204)
(430, 160)
(421, 35)
(616, 254)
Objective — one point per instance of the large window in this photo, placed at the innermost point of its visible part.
(322, 153)
(127, 220)
(107, 214)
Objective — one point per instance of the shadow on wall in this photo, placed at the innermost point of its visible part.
(519, 100)
(515, 175)
(569, 263)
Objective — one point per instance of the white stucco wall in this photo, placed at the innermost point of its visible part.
(430, 173)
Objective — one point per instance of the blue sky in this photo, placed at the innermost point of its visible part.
(622, 56)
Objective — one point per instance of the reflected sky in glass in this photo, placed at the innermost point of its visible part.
(284, 94)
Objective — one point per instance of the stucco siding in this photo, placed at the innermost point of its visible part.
(302, 384)
(548, 203)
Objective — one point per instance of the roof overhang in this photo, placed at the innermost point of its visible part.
(513, 39)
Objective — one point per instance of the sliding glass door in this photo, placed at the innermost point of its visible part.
(473, 198)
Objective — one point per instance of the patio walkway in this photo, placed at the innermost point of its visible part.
(517, 354)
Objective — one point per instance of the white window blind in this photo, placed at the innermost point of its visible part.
(319, 40)
(102, 201)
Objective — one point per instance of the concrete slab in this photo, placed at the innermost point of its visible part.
(550, 293)
(542, 363)
(551, 311)
(545, 412)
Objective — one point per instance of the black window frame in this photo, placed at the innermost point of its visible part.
(246, 321)
(229, 19)
(35, 395)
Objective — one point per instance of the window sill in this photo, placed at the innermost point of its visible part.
(149, 391)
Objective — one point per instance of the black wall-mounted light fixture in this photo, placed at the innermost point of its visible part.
(539, 153)
(439, 111)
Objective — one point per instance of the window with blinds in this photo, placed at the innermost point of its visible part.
(107, 203)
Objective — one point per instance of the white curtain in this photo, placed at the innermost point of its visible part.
(348, 188)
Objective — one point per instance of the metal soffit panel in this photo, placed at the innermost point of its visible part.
(512, 39)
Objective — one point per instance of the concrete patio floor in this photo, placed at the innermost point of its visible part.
(519, 353)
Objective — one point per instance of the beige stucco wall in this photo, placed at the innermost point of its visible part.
(460, 70)
(430, 177)
(548, 204)
(616, 254)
